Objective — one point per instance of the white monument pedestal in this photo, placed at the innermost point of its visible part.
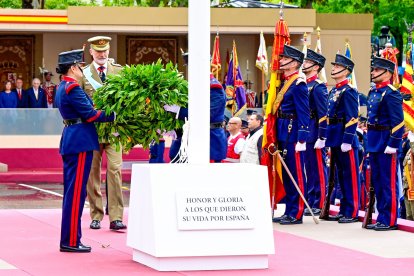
(200, 217)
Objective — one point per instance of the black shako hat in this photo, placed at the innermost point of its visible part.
(344, 61)
(292, 52)
(315, 57)
(245, 124)
(71, 57)
(383, 63)
(250, 112)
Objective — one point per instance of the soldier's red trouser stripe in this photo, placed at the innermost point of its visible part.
(354, 183)
(393, 190)
(76, 199)
(321, 173)
(301, 185)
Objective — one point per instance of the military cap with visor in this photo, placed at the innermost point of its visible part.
(315, 57)
(344, 61)
(293, 53)
(383, 63)
(71, 57)
(100, 43)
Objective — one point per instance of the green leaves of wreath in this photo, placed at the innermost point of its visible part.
(137, 94)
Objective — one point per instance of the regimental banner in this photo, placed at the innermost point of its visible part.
(205, 210)
(17, 59)
(149, 50)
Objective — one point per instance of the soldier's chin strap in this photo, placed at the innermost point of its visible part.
(281, 65)
(303, 69)
(376, 77)
(333, 74)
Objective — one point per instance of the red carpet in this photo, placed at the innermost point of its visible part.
(30, 238)
(44, 165)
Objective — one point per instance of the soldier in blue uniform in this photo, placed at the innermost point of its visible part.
(79, 140)
(218, 140)
(315, 154)
(385, 131)
(342, 138)
(292, 128)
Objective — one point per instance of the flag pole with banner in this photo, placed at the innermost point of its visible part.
(274, 166)
(318, 49)
(235, 93)
(263, 65)
(407, 86)
(348, 54)
(304, 49)
(215, 58)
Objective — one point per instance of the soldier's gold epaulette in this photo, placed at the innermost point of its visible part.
(392, 87)
(319, 81)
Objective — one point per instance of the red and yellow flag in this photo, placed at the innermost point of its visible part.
(274, 166)
(215, 59)
(407, 87)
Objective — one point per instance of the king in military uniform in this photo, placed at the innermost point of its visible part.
(315, 154)
(94, 77)
(79, 140)
(385, 130)
(341, 137)
(292, 128)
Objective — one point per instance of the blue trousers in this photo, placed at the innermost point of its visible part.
(348, 177)
(295, 162)
(76, 168)
(384, 180)
(316, 175)
(157, 152)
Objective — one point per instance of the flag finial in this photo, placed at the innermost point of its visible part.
(318, 31)
(281, 9)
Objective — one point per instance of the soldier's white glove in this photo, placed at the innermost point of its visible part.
(171, 134)
(300, 146)
(345, 147)
(172, 108)
(410, 136)
(319, 144)
(390, 150)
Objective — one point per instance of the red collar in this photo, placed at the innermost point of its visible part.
(382, 84)
(342, 83)
(291, 75)
(311, 79)
(69, 79)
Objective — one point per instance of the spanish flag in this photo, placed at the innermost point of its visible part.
(274, 166)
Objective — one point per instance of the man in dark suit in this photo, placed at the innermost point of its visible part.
(21, 94)
(36, 96)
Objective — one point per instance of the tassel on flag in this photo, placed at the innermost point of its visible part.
(318, 49)
(215, 59)
(261, 60)
(390, 53)
(348, 54)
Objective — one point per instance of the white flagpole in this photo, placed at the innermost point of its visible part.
(199, 81)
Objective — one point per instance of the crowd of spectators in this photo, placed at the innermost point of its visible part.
(39, 95)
